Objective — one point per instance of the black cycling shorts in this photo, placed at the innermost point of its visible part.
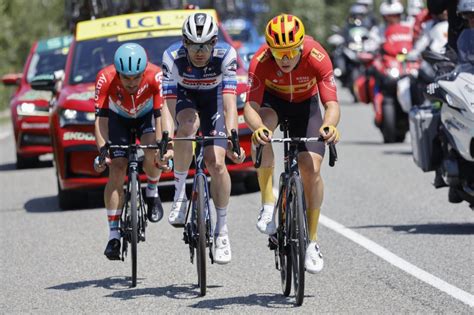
(304, 119)
(209, 105)
(120, 130)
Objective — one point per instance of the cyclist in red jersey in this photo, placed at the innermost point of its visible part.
(287, 77)
(128, 95)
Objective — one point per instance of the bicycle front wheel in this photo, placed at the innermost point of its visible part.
(201, 235)
(298, 234)
(283, 247)
(134, 232)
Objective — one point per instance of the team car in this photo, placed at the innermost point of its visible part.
(72, 117)
(30, 108)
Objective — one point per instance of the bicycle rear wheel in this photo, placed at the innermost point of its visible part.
(298, 233)
(201, 235)
(283, 248)
(134, 232)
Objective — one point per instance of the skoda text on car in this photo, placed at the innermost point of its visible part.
(30, 108)
(72, 118)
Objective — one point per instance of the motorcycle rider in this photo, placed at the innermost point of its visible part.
(370, 19)
(434, 36)
(391, 12)
(414, 7)
(456, 22)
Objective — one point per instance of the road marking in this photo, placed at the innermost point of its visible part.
(393, 259)
(4, 135)
(398, 262)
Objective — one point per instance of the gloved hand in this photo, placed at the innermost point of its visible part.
(332, 135)
(261, 136)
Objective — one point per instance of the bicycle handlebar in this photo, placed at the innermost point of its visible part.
(332, 147)
(234, 139)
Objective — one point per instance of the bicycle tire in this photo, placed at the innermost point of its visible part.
(134, 233)
(283, 250)
(201, 236)
(297, 232)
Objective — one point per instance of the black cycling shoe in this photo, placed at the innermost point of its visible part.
(155, 209)
(112, 251)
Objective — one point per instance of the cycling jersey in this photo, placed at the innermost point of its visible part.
(219, 73)
(201, 88)
(312, 74)
(111, 95)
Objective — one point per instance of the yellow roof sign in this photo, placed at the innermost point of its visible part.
(136, 22)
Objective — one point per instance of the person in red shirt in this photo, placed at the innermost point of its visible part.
(287, 77)
(128, 95)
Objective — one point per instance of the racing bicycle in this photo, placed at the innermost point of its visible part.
(198, 229)
(291, 238)
(133, 221)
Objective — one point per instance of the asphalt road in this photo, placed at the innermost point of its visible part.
(391, 244)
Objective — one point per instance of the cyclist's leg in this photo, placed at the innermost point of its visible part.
(270, 113)
(309, 161)
(113, 194)
(187, 124)
(147, 131)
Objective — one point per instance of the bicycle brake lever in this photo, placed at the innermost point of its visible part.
(235, 142)
(164, 144)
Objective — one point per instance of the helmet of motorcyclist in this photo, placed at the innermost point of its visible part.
(391, 8)
(130, 59)
(414, 7)
(358, 10)
(365, 2)
(284, 31)
(465, 6)
(200, 28)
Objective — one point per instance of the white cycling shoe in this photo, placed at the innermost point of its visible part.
(314, 259)
(266, 220)
(222, 253)
(178, 212)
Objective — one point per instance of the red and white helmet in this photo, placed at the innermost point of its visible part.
(391, 8)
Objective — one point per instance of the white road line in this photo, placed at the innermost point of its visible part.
(398, 262)
(4, 135)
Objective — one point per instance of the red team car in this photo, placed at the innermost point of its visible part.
(72, 117)
(30, 108)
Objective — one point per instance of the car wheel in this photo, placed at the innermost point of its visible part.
(251, 182)
(70, 199)
(26, 162)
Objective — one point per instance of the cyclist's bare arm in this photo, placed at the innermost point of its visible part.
(168, 115)
(101, 131)
(331, 118)
(230, 112)
(252, 118)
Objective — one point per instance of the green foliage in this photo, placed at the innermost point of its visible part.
(22, 22)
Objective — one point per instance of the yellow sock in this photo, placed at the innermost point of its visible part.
(313, 219)
(265, 181)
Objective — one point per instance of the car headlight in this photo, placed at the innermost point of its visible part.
(241, 100)
(394, 72)
(75, 117)
(30, 109)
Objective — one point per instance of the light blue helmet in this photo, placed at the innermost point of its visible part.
(130, 59)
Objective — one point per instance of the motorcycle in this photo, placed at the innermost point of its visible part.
(443, 136)
(380, 83)
(347, 66)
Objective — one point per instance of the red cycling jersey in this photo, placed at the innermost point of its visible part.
(111, 95)
(313, 73)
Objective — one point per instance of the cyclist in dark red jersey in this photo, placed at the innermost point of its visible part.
(128, 95)
(287, 77)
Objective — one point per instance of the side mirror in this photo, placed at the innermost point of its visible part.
(12, 79)
(433, 57)
(335, 29)
(44, 82)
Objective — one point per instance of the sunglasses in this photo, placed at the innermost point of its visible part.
(204, 47)
(288, 53)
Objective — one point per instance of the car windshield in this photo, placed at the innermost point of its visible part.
(466, 46)
(92, 55)
(46, 62)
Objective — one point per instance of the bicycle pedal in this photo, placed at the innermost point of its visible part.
(178, 225)
(272, 243)
(185, 238)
